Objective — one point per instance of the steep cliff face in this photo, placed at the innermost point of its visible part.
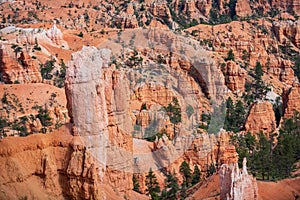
(98, 105)
(86, 101)
(51, 166)
(236, 183)
(35, 166)
(261, 118)
(83, 173)
(120, 145)
(160, 9)
(291, 99)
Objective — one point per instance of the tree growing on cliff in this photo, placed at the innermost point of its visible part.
(185, 170)
(152, 185)
(260, 88)
(45, 119)
(211, 169)
(266, 161)
(297, 67)
(46, 69)
(136, 185)
(232, 5)
(230, 55)
(3, 124)
(171, 187)
(173, 110)
(258, 72)
(287, 151)
(135, 59)
(235, 115)
(17, 49)
(189, 111)
(196, 175)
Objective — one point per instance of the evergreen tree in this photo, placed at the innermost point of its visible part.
(229, 113)
(171, 187)
(211, 170)
(250, 142)
(287, 151)
(262, 158)
(277, 107)
(232, 5)
(16, 49)
(3, 124)
(136, 185)
(196, 175)
(173, 110)
(44, 117)
(266, 161)
(260, 88)
(235, 115)
(152, 185)
(239, 115)
(284, 156)
(185, 170)
(297, 67)
(258, 72)
(230, 55)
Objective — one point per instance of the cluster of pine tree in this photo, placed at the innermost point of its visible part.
(172, 190)
(268, 160)
(235, 115)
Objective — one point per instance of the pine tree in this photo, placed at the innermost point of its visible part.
(185, 170)
(211, 170)
(287, 151)
(229, 114)
(230, 55)
(260, 88)
(136, 185)
(235, 115)
(196, 175)
(173, 110)
(152, 185)
(297, 67)
(277, 107)
(250, 142)
(171, 187)
(258, 71)
(262, 158)
(284, 156)
(239, 115)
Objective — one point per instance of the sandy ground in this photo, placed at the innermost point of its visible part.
(208, 190)
(287, 189)
(34, 94)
